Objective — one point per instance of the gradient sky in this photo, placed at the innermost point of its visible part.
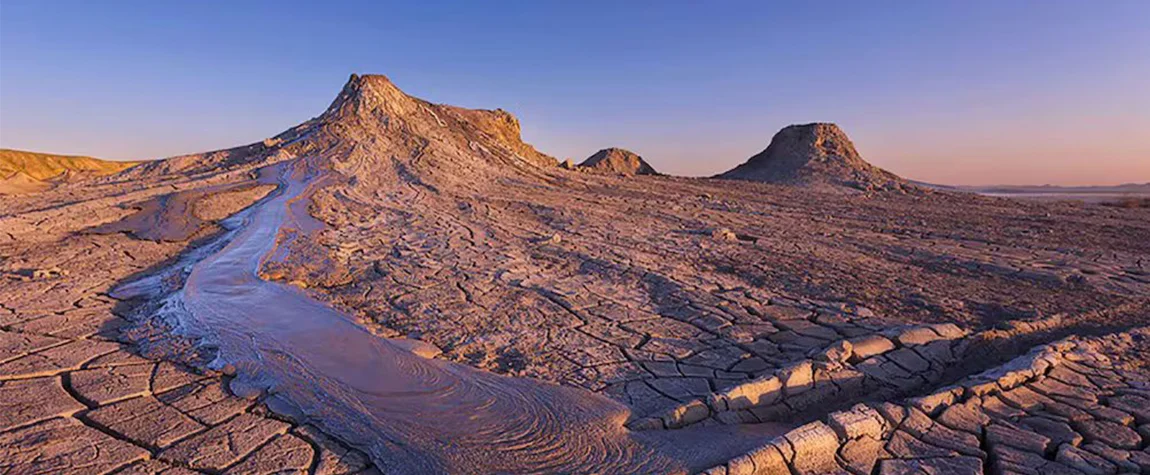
(957, 92)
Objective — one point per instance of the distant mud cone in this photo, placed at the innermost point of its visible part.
(818, 154)
(617, 160)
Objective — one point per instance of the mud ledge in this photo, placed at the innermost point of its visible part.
(890, 363)
(1061, 406)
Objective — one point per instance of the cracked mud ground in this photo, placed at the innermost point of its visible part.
(896, 332)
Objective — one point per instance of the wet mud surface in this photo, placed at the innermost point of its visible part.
(180, 215)
(409, 412)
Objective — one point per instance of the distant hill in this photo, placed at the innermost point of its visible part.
(25, 172)
(45, 166)
(1139, 188)
(818, 155)
(1112, 194)
(1132, 188)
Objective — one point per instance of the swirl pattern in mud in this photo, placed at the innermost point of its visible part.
(410, 413)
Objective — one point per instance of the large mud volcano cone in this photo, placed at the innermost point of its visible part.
(617, 160)
(818, 154)
(374, 130)
(379, 134)
(371, 105)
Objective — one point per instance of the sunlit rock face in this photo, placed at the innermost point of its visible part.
(28, 172)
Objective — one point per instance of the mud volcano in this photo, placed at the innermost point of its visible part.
(617, 160)
(817, 154)
(401, 286)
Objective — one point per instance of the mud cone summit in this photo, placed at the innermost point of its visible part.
(400, 286)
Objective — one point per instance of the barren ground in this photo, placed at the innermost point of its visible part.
(951, 331)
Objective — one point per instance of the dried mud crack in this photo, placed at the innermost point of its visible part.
(402, 286)
(410, 413)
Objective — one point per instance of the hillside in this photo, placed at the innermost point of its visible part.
(45, 166)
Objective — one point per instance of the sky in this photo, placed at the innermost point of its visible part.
(954, 92)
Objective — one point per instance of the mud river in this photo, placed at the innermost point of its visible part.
(411, 414)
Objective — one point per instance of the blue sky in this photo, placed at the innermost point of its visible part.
(970, 92)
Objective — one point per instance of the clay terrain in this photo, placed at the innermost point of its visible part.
(400, 286)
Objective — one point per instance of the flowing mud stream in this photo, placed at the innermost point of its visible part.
(412, 414)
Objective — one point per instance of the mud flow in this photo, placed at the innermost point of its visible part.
(411, 413)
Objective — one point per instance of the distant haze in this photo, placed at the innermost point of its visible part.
(978, 92)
